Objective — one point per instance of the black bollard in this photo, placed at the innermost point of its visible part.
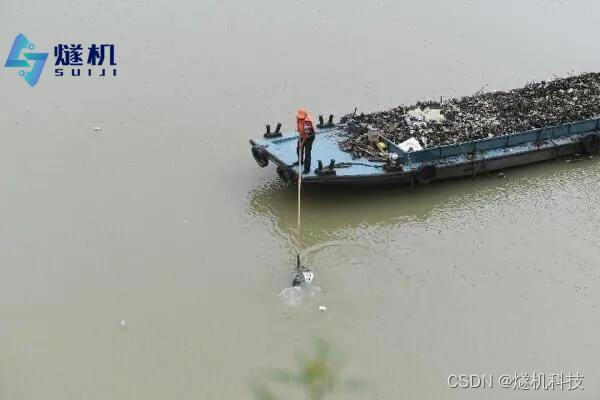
(270, 135)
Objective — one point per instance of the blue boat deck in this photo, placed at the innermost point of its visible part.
(282, 151)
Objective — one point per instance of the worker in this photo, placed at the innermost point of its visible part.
(306, 131)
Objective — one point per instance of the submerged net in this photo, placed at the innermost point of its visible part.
(482, 115)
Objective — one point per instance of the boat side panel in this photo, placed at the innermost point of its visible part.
(466, 169)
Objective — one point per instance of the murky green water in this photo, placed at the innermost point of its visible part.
(164, 221)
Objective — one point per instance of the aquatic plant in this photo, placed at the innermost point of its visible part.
(317, 375)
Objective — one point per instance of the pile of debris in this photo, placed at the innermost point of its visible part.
(479, 116)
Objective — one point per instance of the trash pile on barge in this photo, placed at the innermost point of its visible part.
(482, 115)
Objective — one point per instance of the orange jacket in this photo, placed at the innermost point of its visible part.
(304, 124)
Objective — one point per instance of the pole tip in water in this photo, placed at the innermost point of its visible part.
(304, 277)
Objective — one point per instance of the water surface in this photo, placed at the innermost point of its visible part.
(163, 219)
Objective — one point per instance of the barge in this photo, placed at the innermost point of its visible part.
(331, 165)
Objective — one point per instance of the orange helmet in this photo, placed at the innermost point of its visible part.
(302, 113)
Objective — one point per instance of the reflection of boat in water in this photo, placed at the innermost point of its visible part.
(430, 164)
(337, 211)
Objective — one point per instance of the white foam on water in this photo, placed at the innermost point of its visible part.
(292, 296)
(295, 296)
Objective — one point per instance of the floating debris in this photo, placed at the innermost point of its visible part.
(480, 116)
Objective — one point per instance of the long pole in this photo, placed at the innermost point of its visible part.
(300, 150)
